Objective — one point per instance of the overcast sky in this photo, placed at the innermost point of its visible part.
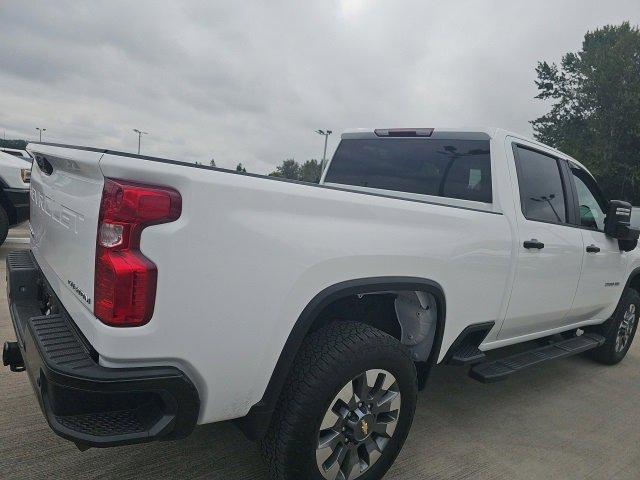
(250, 81)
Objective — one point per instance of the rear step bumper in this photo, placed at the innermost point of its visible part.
(84, 402)
(500, 369)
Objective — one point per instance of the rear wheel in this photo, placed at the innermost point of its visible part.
(4, 225)
(620, 330)
(346, 408)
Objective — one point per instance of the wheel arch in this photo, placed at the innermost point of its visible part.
(633, 281)
(256, 422)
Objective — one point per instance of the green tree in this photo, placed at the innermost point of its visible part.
(240, 168)
(309, 171)
(595, 115)
(19, 144)
(289, 168)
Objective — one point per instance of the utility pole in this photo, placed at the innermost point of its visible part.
(140, 133)
(40, 130)
(326, 138)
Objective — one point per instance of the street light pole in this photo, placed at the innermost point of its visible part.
(326, 138)
(140, 133)
(40, 130)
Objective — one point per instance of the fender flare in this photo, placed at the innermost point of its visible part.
(256, 422)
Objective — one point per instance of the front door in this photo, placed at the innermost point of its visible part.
(604, 264)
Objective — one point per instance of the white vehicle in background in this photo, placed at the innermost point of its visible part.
(159, 294)
(16, 152)
(15, 176)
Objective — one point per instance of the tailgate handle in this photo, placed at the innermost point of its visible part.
(44, 164)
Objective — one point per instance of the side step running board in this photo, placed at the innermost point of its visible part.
(494, 371)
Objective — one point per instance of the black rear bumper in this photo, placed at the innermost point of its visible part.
(83, 401)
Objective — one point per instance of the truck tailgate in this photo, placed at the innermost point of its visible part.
(66, 188)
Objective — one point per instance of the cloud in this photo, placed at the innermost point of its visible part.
(251, 81)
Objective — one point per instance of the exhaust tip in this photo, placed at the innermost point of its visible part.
(12, 357)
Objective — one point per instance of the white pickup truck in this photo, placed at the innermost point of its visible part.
(158, 295)
(14, 191)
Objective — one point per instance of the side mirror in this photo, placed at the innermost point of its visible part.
(618, 225)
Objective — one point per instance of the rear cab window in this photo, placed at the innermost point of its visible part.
(456, 168)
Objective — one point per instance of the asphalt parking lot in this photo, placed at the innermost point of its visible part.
(573, 419)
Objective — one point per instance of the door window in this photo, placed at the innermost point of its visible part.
(591, 203)
(541, 192)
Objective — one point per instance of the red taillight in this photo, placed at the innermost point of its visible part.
(125, 280)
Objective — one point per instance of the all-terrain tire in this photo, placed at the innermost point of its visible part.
(623, 324)
(329, 359)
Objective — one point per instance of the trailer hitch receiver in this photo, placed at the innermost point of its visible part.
(12, 357)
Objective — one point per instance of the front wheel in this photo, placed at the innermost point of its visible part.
(346, 408)
(619, 330)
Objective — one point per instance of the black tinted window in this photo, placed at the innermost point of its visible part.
(446, 168)
(541, 192)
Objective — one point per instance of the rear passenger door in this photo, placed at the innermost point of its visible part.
(549, 251)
